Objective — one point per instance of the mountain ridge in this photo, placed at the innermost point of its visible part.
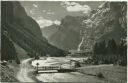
(107, 22)
(25, 31)
(67, 36)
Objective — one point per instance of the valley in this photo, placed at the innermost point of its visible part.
(63, 41)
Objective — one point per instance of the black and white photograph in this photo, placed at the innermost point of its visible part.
(63, 41)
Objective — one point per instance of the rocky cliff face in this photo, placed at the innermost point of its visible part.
(107, 22)
(23, 30)
(68, 35)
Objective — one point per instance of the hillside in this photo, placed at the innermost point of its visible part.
(68, 35)
(106, 22)
(8, 50)
(49, 31)
(24, 31)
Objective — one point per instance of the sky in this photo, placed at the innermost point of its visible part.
(47, 13)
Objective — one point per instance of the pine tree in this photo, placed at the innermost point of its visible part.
(111, 46)
(95, 49)
(103, 47)
(112, 51)
(8, 51)
(96, 53)
(122, 53)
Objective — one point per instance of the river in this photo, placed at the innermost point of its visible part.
(63, 77)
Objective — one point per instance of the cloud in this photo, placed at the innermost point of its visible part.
(50, 13)
(75, 7)
(44, 11)
(57, 22)
(45, 22)
(32, 11)
(35, 5)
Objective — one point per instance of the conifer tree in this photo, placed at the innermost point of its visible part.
(8, 51)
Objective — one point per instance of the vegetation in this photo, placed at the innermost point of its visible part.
(8, 51)
(109, 21)
(112, 48)
(77, 64)
(100, 75)
(110, 52)
(7, 74)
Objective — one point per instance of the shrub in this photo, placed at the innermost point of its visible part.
(100, 75)
(110, 52)
(4, 63)
(77, 64)
(17, 60)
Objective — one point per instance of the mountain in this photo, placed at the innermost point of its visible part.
(67, 37)
(118, 22)
(24, 31)
(107, 22)
(50, 30)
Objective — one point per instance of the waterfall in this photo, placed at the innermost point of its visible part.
(80, 44)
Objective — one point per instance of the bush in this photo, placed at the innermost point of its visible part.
(8, 51)
(17, 60)
(77, 64)
(89, 61)
(110, 52)
(4, 63)
(37, 57)
(100, 75)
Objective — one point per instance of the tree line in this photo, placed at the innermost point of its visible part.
(8, 52)
(110, 52)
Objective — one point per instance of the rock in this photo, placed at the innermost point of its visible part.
(106, 22)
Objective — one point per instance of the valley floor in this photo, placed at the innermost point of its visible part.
(25, 68)
(112, 74)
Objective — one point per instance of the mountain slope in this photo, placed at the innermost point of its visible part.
(49, 31)
(24, 31)
(107, 22)
(68, 35)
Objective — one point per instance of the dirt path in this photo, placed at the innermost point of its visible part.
(22, 75)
